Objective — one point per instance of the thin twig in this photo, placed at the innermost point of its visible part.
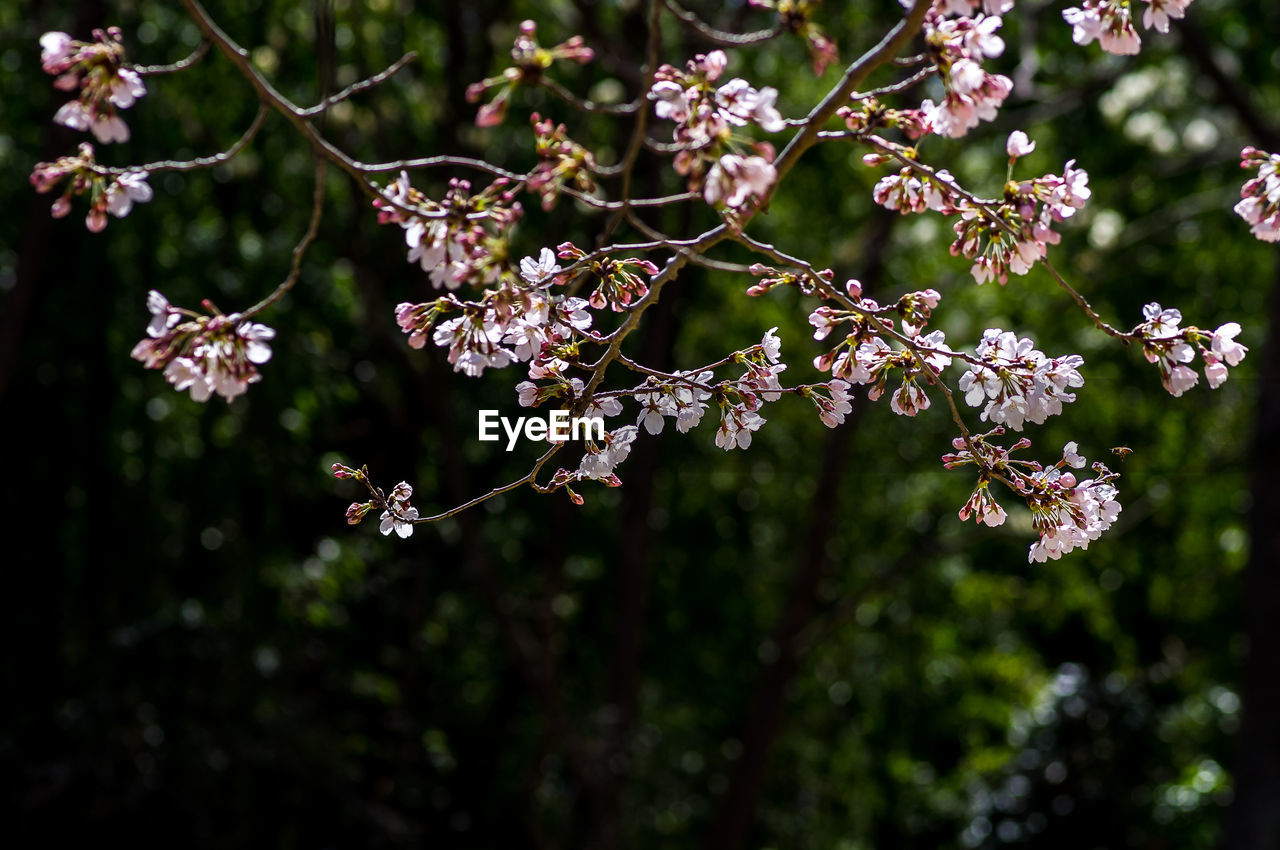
(356, 88)
(313, 227)
(589, 105)
(720, 37)
(175, 67)
(531, 479)
(199, 162)
(898, 87)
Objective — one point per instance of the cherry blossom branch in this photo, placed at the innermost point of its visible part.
(530, 479)
(295, 267)
(854, 75)
(670, 377)
(597, 203)
(919, 351)
(899, 35)
(174, 67)
(720, 37)
(269, 95)
(199, 162)
(437, 162)
(672, 243)
(984, 207)
(672, 269)
(363, 85)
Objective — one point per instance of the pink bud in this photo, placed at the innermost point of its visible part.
(491, 114)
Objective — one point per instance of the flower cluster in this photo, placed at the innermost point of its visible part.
(705, 117)
(909, 191)
(796, 16)
(1259, 202)
(517, 320)
(449, 238)
(397, 514)
(738, 419)
(1111, 22)
(741, 401)
(874, 362)
(205, 354)
(1022, 229)
(1016, 382)
(97, 70)
(599, 461)
(957, 47)
(530, 61)
(1170, 348)
(863, 357)
(561, 161)
(1066, 513)
(869, 114)
(833, 409)
(108, 193)
(686, 401)
(619, 286)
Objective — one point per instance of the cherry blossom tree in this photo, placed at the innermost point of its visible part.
(718, 142)
(495, 308)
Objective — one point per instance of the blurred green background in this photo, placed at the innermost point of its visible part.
(797, 646)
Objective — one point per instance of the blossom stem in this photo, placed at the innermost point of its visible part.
(313, 227)
(174, 67)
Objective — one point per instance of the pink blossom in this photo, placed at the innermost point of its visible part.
(737, 423)
(56, 49)
(1215, 371)
(74, 115)
(1159, 12)
(541, 269)
(734, 179)
(1019, 145)
(713, 65)
(110, 128)
(599, 461)
(1259, 202)
(399, 515)
(1225, 346)
(1108, 21)
(127, 189)
(126, 88)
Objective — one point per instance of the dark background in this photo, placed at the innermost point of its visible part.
(794, 646)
